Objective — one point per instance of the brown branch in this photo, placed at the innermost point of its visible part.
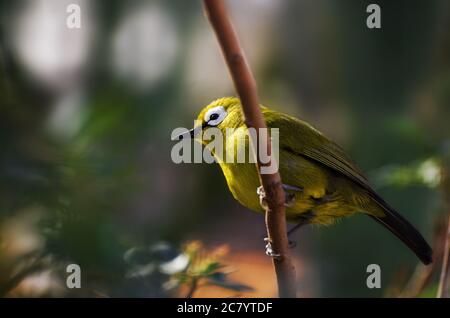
(245, 85)
(423, 275)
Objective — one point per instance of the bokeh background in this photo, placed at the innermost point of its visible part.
(86, 117)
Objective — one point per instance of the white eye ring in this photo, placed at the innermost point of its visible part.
(219, 111)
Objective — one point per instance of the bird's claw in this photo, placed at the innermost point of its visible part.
(292, 244)
(289, 200)
(262, 197)
(287, 187)
(289, 197)
(269, 249)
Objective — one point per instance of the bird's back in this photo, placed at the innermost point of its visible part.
(332, 185)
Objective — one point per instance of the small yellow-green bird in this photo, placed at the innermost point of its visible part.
(321, 182)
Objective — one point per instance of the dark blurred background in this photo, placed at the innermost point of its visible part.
(86, 117)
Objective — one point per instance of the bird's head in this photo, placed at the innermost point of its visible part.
(222, 113)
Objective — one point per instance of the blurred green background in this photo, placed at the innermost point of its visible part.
(86, 117)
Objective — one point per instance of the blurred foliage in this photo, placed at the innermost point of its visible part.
(176, 270)
(200, 268)
(426, 173)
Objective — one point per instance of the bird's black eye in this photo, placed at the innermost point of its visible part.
(214, 116)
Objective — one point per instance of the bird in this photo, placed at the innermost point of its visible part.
(321, 182)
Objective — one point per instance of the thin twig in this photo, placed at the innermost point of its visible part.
(245, 85)
(36, 266)
(423, 275)
(192, 287)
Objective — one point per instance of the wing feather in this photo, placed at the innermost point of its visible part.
(302, 139)
(299, 137)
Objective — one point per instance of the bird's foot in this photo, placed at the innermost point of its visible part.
(289, 197)
(292, 244)
(289, 201)
(262, 197)
(269, 249)
(288, 187)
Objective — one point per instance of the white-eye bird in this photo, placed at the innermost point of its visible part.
(321, 181)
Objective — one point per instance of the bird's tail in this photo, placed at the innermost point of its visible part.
(399, 226)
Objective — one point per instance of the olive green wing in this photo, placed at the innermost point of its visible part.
(299, 137)
(302, 139)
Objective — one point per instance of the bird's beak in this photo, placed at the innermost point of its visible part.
(192, 133)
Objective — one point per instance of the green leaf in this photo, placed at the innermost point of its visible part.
(211, 268)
